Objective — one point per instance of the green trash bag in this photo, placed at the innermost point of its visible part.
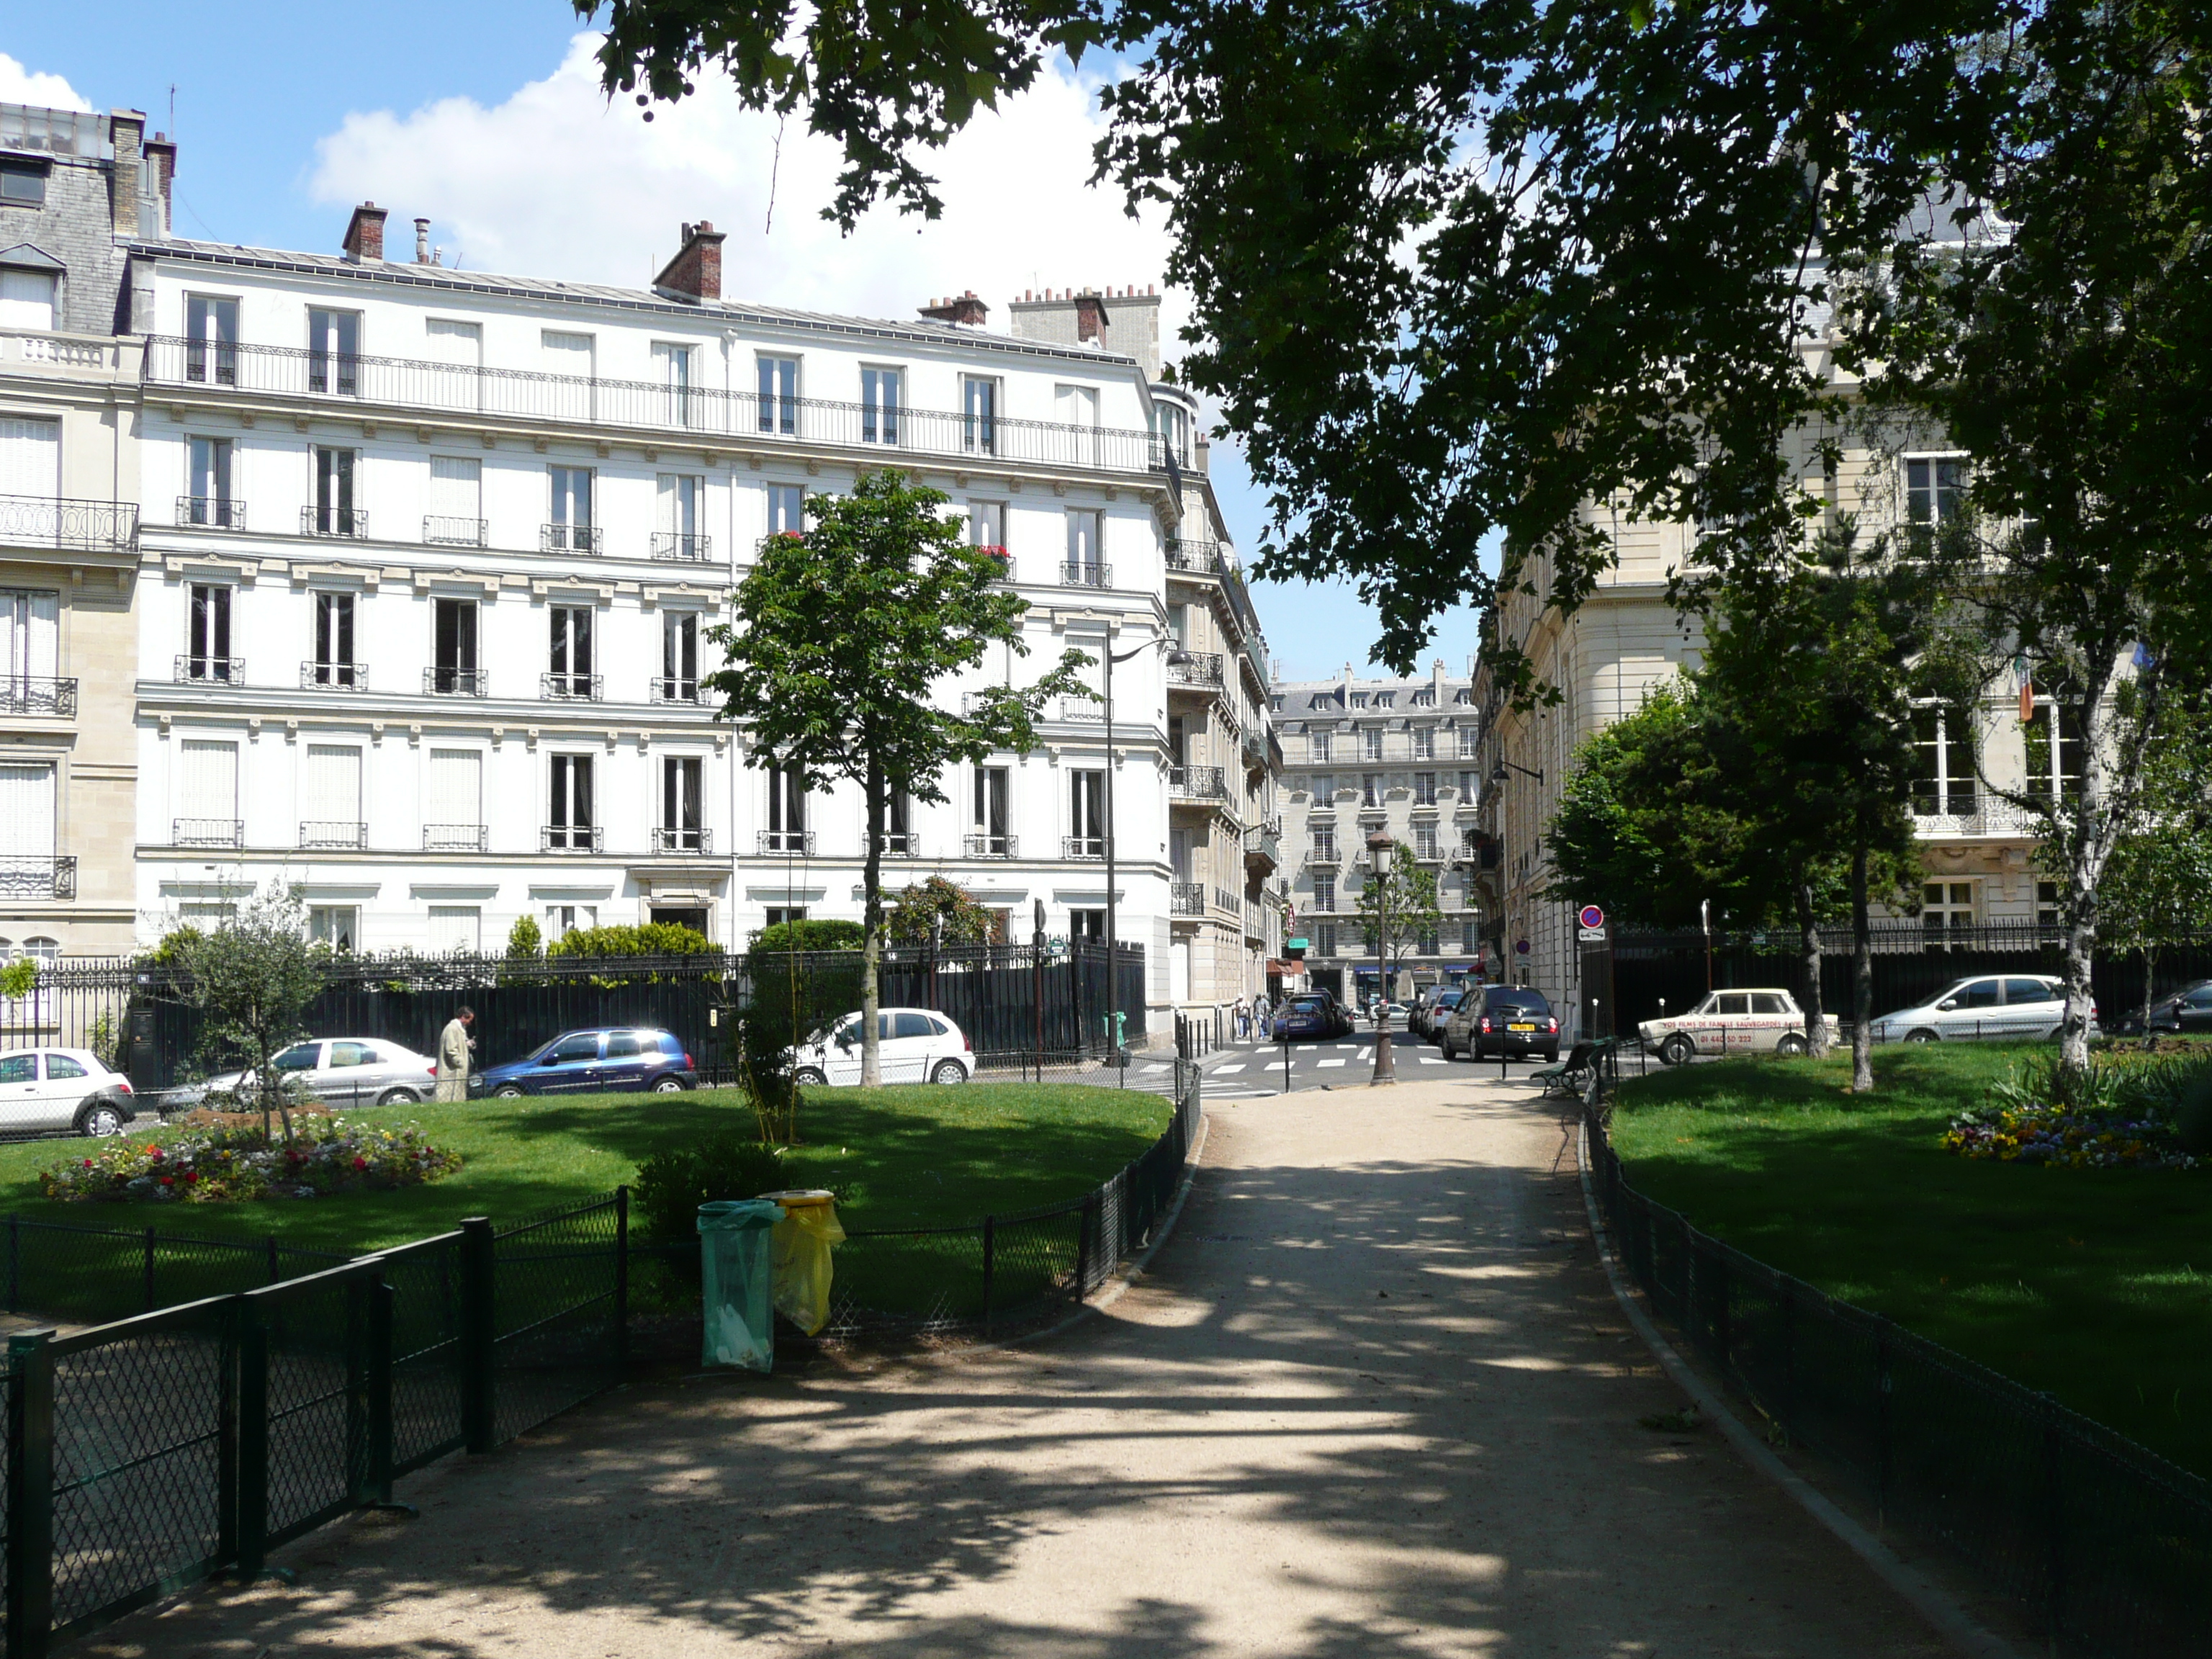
(737, 1283)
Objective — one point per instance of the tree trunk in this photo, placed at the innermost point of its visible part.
(2150, 961)
(1862, 965)
(2098, 813)
(1808, 937)
(872, 948)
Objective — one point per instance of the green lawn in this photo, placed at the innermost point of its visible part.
(903, 1157)
(2095, 1285)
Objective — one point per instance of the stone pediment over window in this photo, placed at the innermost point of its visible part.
(24, 256)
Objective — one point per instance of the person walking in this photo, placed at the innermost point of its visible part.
(454, 1043)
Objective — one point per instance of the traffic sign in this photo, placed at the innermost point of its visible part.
(1521, 947)
(1592, 916)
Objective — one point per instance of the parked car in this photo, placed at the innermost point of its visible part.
(917, 1045)
(1431, 1012)
(2013, 1006)
(1310, 1014)
(596, 1062)
(2188, 1009)
(49, 1090)
(1747, 1022)
(337, 1071)
(1502, 1019)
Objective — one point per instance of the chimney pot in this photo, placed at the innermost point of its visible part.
(696, 270)
(963, 308)
(364, 237)
(422, 241)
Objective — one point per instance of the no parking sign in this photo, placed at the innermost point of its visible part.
(1592, 920)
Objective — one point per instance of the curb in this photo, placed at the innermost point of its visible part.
(1932, 1603)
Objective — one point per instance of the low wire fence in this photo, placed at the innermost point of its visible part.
(2105, 1545)
(144, 1454)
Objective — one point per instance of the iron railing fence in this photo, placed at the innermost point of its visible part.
(39, 694)
(142, 1455)
(88, 1275)
(91, 526)
(2105, 1545)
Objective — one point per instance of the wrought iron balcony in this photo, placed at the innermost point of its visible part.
(1194, 557)
(979, 844)
(333, 677)
(38, 694)
(455, 532)
(570, 837)
(665, 839)
(207, 832)
(1204, 669)
(59, 521)
(681, 545)
(899, 844)
(571, 688)
(211, 512)
(1323, 856)
(337, 837)
(668, 688)
(1225, 900)
(1263, 849)
(456, 838)
(1187, 898)
(1086, 576)
(1083, 847)
(1197, 783)
(39, 878)
(783, 843)
(223, 670)
(343, 522)
(1082, 708)
(457, 682)
(571, 538)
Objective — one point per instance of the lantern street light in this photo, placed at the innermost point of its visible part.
(1176, 656)
(1379, 848)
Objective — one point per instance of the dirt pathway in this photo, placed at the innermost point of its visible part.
(1373, 1399)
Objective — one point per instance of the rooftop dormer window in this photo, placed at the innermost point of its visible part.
(22, 182)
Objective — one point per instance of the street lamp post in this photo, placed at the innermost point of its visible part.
(1379, 848)
(1176, 654)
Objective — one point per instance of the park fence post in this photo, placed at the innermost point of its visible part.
(14, 1262)
(990, 1252)
(478, 1335)
(621, 1276)
(1083, 1251)
(275, 1272)
(30, 1517)
(2054, 1528)
(1882, 1423)
(150, 1270)
(379, 1357)
(253, 1439)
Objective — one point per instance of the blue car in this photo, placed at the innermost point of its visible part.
(593, 1063)
(1311, 1016)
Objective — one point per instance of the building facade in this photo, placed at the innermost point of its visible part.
(432, 562)
(76, 189)
(1400, 756)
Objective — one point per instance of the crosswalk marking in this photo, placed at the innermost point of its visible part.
(1332, 1062)
(1223, 1071)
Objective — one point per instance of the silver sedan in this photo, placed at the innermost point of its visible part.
(339, 1072)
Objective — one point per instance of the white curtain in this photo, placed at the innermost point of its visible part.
(456, 928)
(207, 779)
(26, 810)
(30, 458)
(457, 488)
(456, 787)
(333, 791)
(671, 367)
(30, 634)
(28, 299)
(569, 354)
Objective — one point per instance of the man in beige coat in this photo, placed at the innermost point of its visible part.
(454, 1045)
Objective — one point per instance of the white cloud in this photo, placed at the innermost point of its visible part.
(556, 182)
(19, 85)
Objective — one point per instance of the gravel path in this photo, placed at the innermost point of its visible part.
(1373, 1399)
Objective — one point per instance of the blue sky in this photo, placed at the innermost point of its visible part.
(482, 116)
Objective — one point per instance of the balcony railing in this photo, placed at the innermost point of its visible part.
(38, 694)
(335, 837)
(1195, 556)
(1263, 847)
(345, 521)
(900, 844)
(784, 843)
(681, 545)
(529, 395)
(665, 839)
(571, 688)
(1323, 858)
(981, 844)
(568, 838)
(1082, 708)
(212, 511)
(226, 670)
(1225, 900)
(456, 838)
(455, 532)
(207, 832)
(333, 677)
(1086, 576)
(457, 682)
(571, 538)
(1991, 817)
(1204, 669)
(38, 878)
(1197, 783)
(667, 688)
(1083, 847)
(1187, 898)
(59, 521)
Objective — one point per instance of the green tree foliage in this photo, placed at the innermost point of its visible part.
(842, 641)
(650, 938)
(941, 905)
(1398, 908)
(252, 979)
(524, 940)
(674, 1182)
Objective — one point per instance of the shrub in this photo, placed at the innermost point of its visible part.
(672, 1185)
(822, 934)
(651, 938)
(524, 939)
(2142, 1110)
(235, 1161)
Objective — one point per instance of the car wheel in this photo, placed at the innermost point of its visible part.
(101, 1120)
(948, 1071)
(508, 1091)
(809, 1078)
(1551, 1056)
(1677, 1050)
(668, 1085)
(399, 1097)
(1923, 1034)
(1792, 1045)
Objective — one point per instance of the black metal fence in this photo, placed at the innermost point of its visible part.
(142, 1455)
(87, 1275)
(2107, 1546)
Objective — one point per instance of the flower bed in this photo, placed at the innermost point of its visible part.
(2129, 1112)
(233, 1162)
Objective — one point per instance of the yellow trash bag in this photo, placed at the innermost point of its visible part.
(801, 1242)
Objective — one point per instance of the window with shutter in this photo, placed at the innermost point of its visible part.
(29, 300)
(570, 357)
(27, 821)
(30, 636)
(207, 793)
(330, 814)
(452, 820)
(30, 458)
(456, 516)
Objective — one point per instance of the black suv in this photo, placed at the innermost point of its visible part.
(1502, 1019)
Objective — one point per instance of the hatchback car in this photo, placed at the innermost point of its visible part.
(1504, 1020)
(1309, 1014)
(625, 1059)
(335, 1071)
(1432, 1010)
(1989, 1006)
(1747, 1022)
(914, 1045)
(51, 1091)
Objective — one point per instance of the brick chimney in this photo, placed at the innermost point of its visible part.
(422, 241)
(162, 157)
(1091, 317)
(364, 237)
(959, 308)
(128, 127)
(696, 270)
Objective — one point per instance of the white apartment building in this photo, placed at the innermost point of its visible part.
(431, 559)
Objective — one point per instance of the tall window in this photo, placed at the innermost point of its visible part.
(333, 514)
(27, 828)
(569, 824)
(334, 352)
(1469, 745)
(681, 794)
(1323, 788)
(572, 362)
(338, 926)
(979, 415)
(569, 659)
(457, 348)
(334, 663)
(987, 525)
(786, 509)
(207, 794)
(1085, 558)
(990, 835)
(2050, 907)
(679, 658)
(453, 818)
(1935, 491)
(898, 825)
(454, 647)
(672, 369)
(30, 650)
(1075, 413)
(2054, 748)
(879, 405)
(1324, 886)
(456, 930)
(31, 464)
(207, 638)
(571, 530)
(1947, 909)
(787, 810)
(1324, 843)
(1424, 789)
(1086, 814)
(1325, 940)
(330, 807)
(456, 515)
(1318, 747)
(1371, 789)
(682, 495)
(1943, 739)
(1370, 744)
(1424, 743)
(29, 300)
(210, 502)
(778, 395)
(211, 339)
(1424, 840)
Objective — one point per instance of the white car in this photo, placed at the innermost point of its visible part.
(43, 1090)
(1752, 1022)
(918, 1045)
(2016, 1007)
(339, 1072)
